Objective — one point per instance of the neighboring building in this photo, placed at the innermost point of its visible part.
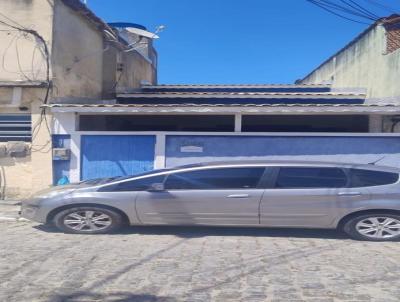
(58, 50)
(371, 62)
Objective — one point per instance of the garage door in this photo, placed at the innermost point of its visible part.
(116, 155)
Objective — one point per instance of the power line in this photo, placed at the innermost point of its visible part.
(359, 8)
(382, 6)
(353, 10)
(347, 9)
(37, 36)
(335, 13)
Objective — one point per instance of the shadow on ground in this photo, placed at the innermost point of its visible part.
(200, 231)
(85, 296)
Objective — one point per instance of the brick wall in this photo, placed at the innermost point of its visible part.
(392, 40)
(392, 26)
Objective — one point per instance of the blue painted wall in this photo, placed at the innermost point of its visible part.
(61, 167)
(340, 149)
(116, 155)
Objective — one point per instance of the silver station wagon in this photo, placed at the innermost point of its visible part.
(362, 200)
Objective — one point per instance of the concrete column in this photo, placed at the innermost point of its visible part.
(238, 122)
(65, 123)
(375, 124)
(75, 164)
(159, 159)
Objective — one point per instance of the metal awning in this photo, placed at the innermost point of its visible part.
(229, 108)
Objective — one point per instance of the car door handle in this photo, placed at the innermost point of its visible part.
(238, 196)
(349, 194)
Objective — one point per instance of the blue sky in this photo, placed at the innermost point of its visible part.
(236, 41)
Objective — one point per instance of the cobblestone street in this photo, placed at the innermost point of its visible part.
(194, 264)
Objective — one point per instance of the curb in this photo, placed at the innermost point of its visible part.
(10, 203)
(13, 219)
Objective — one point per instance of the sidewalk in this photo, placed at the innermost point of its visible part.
(9, 210)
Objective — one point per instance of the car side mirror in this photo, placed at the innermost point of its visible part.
(156, 187)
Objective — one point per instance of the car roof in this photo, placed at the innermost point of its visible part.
(290, 162)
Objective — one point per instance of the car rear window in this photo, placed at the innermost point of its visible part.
(367, 178)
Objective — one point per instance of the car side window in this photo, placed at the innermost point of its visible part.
(216, 178)
(141, 184)
(312, 177)
(367, 178)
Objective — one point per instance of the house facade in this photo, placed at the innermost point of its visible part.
(347, 110)
(52, 51)
(169, 125)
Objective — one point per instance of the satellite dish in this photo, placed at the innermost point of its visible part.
(141, 32)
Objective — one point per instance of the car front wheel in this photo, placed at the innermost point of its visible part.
(87, 220)
(374, 227)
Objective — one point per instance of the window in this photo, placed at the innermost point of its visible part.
(366, 178)
(218, 178)
(15, 127)
(221, 123)
(311, 178)
(305, 123)
(133, 185)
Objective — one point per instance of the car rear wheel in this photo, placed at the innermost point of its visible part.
(374, 227)
(88, 220)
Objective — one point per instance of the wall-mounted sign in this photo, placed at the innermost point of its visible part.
(192, 149)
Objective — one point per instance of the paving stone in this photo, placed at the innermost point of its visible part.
(194, 264)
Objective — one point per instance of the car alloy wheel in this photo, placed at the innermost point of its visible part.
(379, 227)
(87, 220)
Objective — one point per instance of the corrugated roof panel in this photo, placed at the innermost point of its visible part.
(241, 98)
(211, 105)
(237, 88)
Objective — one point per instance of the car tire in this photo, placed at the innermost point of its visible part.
(379, 226)
(88, 220)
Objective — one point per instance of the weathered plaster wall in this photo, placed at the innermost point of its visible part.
(41, 154)
(5, 96)
(21, 57)
(137, 69)
(17, 176)
(363, 65)
(26, 175)
(125, 70)
(77, 55)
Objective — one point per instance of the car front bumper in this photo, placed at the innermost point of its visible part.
(33, 212)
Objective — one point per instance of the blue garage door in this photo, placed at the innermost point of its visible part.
(116, 155)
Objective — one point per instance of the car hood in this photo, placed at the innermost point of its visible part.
(60, 189)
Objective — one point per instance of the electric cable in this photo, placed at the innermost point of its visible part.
(334, 13)
(382, 6)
